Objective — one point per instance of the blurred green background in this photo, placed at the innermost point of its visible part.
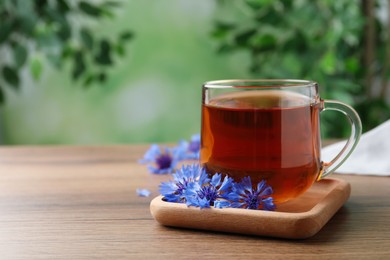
(97, 72)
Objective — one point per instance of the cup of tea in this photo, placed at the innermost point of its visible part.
(269, 130)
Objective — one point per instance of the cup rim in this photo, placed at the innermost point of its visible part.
(283, 83)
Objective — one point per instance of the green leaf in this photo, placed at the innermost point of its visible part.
(86, 38)
(28, 23)
(222, 29)
(242, 39)
(67, 51)
(102, 77)
(57, 25)
(90, 9)
(258, 4)
(65, 31)
(104, 55)
(25, 17)
(328, 63)
(5, 30)
(2, 96)
(40, 5)
(111, 4)
(352, 64)
(36, 68)
(120, 50)
(297, 43)
(226, 48)
(226, 26)
(106, 12)
(78, 65)
(20, 55)
(62, 6)
(11, 76)
(125, 36)
(89, 80)
(263, 42)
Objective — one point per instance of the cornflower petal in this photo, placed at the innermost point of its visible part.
(226, 184)
(172, 198)
(143, 192)
(203, 178)
(191, 185)
(184, 185)
(167, 187)
(151, 154)
(191, 190)
(194, 145)
(198, 202)
(247, 184)
(155, 170)
(238, 188)
(264, 189)
(161, 162)
(179, 152)
(210, 192)
(216, 180)
(268, 204)
(188, 172)
(190, 150)
(170, 192)
(247, 197)
(222, 204)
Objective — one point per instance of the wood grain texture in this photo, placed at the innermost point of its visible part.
(80, 203)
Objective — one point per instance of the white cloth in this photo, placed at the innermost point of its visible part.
(370, 157)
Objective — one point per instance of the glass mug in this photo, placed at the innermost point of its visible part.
(269, 130)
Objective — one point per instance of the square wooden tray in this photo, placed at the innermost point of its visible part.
(300, 218)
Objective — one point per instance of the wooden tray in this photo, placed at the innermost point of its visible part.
(302, 217)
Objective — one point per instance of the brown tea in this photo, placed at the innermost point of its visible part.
(269, 134)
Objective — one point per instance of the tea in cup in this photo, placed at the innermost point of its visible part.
(269, 130)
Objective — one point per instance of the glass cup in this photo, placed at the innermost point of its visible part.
(269, 130)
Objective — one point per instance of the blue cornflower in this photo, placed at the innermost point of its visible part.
(143, 192)
(161, 162)
(244, 196)
(185, 179)
(194, 145)
(192, 148)
(210, 193)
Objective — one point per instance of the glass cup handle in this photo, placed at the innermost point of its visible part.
(356, 131)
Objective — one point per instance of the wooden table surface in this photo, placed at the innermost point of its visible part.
(81, 203)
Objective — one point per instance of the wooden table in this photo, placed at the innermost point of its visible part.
(81, 202)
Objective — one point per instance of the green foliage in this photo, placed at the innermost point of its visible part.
(318, 40)
(37, 31)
